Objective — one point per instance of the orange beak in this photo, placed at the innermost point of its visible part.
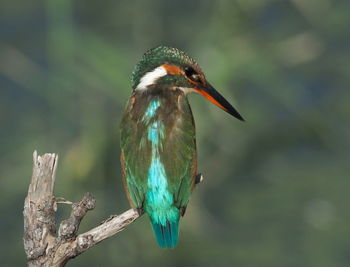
(215, 97)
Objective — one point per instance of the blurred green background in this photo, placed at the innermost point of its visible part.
(276, 188)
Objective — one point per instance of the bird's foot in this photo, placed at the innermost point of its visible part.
(199, 178)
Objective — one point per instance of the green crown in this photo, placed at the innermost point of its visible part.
(155, 57)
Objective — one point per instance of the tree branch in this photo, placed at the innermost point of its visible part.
(42, 245)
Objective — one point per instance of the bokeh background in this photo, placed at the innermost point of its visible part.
(276, 188)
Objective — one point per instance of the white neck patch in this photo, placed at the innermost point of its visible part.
(151, 77)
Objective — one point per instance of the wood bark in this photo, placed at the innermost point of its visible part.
(44, 246)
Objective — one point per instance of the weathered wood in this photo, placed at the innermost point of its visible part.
(39, 210)
(43, 246)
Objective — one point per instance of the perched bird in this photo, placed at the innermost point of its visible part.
(158, 141)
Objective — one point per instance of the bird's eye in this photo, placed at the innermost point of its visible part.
(192, 74)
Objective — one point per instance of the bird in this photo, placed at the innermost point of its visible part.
(158, 139)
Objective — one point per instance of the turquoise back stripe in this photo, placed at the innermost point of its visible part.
(159, 201)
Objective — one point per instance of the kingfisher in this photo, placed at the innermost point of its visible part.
(158, 140)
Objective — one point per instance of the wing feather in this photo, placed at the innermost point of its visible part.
(177, 153)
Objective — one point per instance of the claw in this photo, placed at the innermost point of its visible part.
(199, 178)
(140, 211)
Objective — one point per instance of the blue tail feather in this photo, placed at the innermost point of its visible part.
(166, 235)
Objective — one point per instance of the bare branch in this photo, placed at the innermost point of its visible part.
(68, 228)
(108, 228)
(39, 207)
(42, 246)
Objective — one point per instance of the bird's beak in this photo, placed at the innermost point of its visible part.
(215, 97)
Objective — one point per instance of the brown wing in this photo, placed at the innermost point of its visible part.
(122, 163)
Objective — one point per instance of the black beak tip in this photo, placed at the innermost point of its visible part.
(220, 101)
(235, 114)
(241, 118)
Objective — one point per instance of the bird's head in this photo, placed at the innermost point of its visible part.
(167, 68)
